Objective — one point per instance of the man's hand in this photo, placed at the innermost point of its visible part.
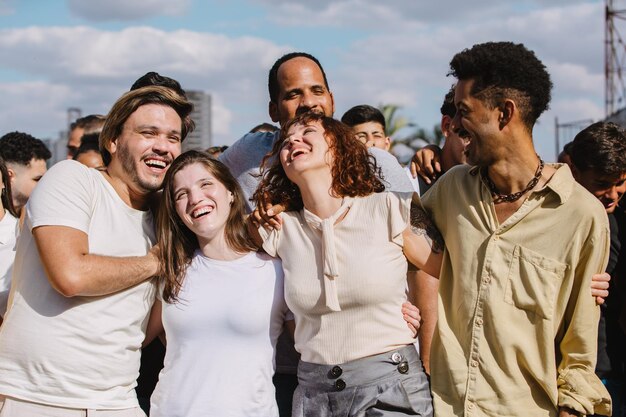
(600, 287)
(426, 163)
(73, 271)
(268, 216)
(411, 315)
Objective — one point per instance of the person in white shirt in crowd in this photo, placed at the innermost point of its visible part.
(8, 236)
(220, 304)
(81, 292)
(25, 157)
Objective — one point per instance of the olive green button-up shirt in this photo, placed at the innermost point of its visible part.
(517, 327)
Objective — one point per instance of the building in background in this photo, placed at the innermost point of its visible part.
(200, 139)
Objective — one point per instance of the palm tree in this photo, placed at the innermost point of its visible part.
(394, 122)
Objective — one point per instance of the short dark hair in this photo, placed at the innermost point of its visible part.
(21, 148)
(448, 108)
(272, 81)
(363, 113)
(88, 143)
(91, 123)
(502, 70)
(154, 78)
(264, 127)
(600, 147)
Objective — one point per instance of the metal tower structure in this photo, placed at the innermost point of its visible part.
(614, 60)
(73, 113)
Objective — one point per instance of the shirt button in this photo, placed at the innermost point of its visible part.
(396, 358)
(474, 364)
(479, 321)
(470, 406)
(487, 279)
(336, 372)
(403, 367)
(496, 237)
(340, 385)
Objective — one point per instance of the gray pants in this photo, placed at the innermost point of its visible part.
(389, 384)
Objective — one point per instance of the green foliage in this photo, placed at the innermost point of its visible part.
(396, 125)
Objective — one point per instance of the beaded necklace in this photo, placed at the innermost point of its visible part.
(509, 198)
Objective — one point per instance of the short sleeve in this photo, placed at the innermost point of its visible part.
(271, 240)
(63, 197)
(393, 176)
(399, 205)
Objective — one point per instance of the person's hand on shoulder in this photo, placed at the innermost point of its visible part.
(426, 163)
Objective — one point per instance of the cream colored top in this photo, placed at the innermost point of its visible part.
(345, 283)
(517, 328)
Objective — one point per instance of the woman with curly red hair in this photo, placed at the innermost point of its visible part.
(341, 244)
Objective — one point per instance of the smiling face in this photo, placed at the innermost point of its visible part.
(301, 89)
(481, 123)
(305, 149)
(202, 202)
(372, 134)
(149, 142)
(608, 189)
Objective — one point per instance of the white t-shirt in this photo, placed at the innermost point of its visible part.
(221, 336)
(78, 352)
(414, 181)
(8, 235)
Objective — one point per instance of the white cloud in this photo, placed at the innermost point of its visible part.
(97, 66)
(33, 107)
(400, 55)
(407, 64)
(99, 11)
(373, 14)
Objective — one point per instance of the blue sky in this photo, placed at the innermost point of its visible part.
(57, 54)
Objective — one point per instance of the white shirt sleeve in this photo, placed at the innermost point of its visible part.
(63, 197)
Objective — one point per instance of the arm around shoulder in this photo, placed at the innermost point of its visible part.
(73, 271)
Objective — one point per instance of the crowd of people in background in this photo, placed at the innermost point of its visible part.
(302, 271)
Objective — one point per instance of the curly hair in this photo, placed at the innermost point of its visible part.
(21, 148)
(354, 170)
(600, 147)
(177, 243)
(504, 70)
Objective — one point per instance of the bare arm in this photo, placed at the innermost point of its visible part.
(423, 290)
(155, 324)
(423, 244)
(73, 271)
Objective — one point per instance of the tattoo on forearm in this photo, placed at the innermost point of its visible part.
(422, 225)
